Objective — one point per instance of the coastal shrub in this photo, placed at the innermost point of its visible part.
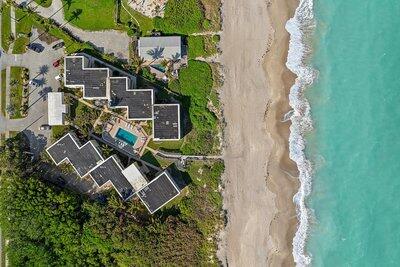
(196, 46)
(195, 82)
(202, 46)
(47, 225)
(181, 16)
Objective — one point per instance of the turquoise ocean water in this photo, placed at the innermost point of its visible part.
(354, 147)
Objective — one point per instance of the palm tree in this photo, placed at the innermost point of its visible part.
(137, 63)
(75, 14)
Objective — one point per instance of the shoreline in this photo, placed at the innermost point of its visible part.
(284, 173)
(260, 179)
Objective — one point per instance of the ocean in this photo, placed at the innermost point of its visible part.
(345, 131)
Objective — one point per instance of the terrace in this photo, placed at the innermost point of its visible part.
(127, 136)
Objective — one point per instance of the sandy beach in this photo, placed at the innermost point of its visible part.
(260, 179)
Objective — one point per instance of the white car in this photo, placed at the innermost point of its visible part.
(33, 83)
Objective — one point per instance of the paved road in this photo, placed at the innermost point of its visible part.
(109, 41)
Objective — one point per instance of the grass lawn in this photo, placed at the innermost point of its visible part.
(44, 3)
(146, 24)
(16, 92)
(5, 27)
(58, 131)
(27, 21)
(155, 160)
(3, 92)
(24, 21)
(166, 145)
(20, 45)
(95, 15)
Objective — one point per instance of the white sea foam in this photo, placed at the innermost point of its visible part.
(300, 28)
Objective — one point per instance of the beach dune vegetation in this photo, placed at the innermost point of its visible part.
(182, 17)
(196, 82)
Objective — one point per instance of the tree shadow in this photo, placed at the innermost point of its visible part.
(37, 143)
(156, 53)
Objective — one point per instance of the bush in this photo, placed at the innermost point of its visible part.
(202, 46)
(196, 82)
(51, 226)
(181, 16)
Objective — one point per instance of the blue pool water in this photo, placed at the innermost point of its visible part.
(126, 136)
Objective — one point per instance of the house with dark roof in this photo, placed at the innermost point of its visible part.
(87, 160)
(166, 122)
(158, 192)
(138, 102)
(97, 83)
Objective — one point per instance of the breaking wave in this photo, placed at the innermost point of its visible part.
(300, 28)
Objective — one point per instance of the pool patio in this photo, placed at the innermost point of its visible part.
(112, 128)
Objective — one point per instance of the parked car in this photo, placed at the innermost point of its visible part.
(56, 63)
(44, 127)
(38, 48)
(59, 77)
(58, 45)
(33, 83)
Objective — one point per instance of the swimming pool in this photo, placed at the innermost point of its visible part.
(126, 136)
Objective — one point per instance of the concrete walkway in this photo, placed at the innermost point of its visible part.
(109, 41)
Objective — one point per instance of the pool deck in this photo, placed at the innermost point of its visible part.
(134, 128)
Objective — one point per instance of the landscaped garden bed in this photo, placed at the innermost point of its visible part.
(18, 104)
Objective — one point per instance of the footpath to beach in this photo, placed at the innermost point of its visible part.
(259, 179)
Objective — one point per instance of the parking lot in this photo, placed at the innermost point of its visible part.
(42, 77)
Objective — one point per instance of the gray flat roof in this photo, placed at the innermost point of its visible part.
(166, 124)
(139, 102)
(93, 81)
(158, 192)
(111, 170)
(158, 47)
(82, 158)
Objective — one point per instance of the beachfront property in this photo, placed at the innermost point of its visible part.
(163, 54)
(156, 48)
(98, 84)
(87, 161)
(166, 122)
(55, 104)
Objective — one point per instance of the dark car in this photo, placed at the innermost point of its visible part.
(38, 48)
(58, 45)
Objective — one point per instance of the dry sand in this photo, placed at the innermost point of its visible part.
(260, 179)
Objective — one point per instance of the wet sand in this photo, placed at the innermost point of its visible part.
(260, 179)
